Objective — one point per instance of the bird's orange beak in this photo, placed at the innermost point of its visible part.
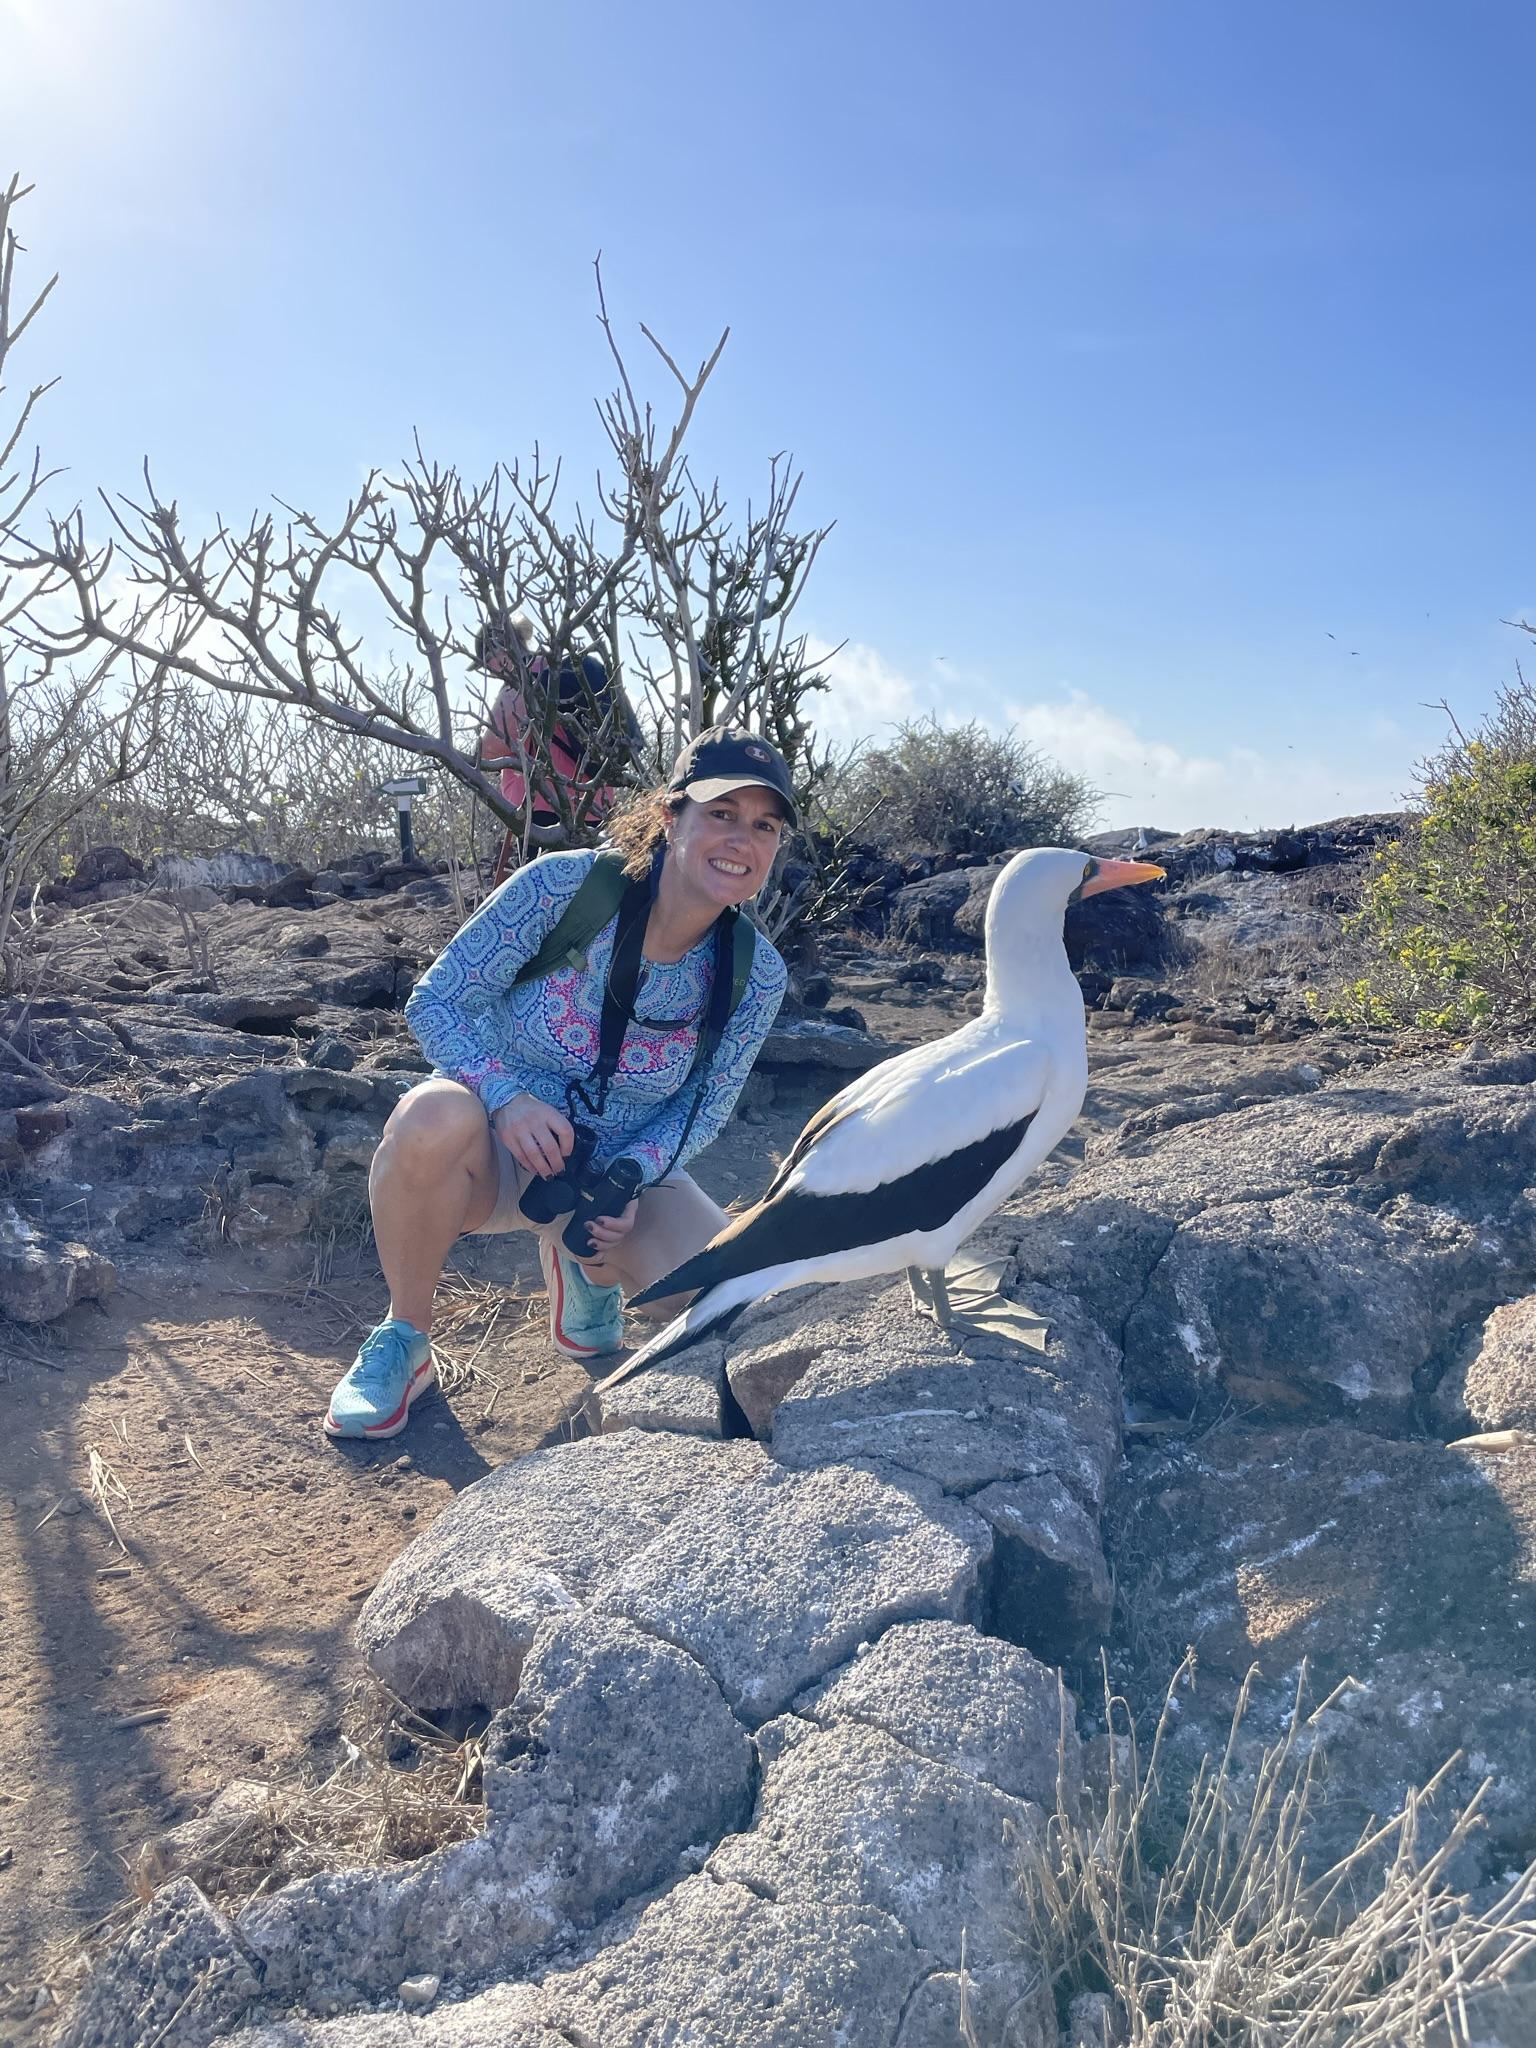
(1119, 874)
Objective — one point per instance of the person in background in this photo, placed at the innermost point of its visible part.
(591, 712)
(608, 1071)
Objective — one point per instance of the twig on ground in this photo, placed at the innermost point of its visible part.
(105, 1488)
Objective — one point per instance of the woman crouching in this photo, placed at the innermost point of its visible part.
(590, 1028)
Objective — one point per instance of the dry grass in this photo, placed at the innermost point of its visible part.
(106, 1488)
(1200, 1920)
(1218, 969)
(404, 1788)
(343, 1222)
(465, 1314)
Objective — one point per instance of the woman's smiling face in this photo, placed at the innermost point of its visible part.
(722, 850)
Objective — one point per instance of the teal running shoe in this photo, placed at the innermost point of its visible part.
(393, 1366)
(584, 1320)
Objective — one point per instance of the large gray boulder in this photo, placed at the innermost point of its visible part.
(772, 1583)
(849, 1813)
(452, 1619)
(1028, 1438)
(713, 1961)
(1403, 1572)
(179, 1977)
(1323, 1255)
(589, 1806)
(962, 1699)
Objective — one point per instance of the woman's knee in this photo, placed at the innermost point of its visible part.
(438, 1123)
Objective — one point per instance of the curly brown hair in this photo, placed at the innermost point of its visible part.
(639, 828)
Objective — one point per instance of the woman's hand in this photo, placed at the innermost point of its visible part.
(608, 1231)
(538, 1137)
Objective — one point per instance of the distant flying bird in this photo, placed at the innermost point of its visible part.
(900, 1167)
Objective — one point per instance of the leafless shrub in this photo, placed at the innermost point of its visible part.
(267, 779)
(376, 622)
(63, 736)
(960, 789)
(1200, 1919)
(199, 944)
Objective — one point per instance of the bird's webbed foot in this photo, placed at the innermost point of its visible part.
(930, 1295)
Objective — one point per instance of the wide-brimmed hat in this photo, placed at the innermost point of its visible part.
(724, 758)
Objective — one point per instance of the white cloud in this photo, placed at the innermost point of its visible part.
(1149, 782)
(1145, 781)
(865, 692)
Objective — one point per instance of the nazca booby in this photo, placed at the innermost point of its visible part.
(901, 1166)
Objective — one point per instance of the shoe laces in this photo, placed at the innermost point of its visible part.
(385, 1352)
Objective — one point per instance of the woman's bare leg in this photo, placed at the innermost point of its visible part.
(434, 1176)
(675, 1219)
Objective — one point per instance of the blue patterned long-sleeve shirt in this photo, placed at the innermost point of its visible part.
(501, 1040)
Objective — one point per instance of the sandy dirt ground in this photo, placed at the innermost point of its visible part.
(182, 1551)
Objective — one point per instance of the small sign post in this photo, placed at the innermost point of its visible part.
(405, 789)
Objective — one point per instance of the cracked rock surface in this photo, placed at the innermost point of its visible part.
(1314, 1256)
(1028, 1439)
(959, 1698)
(772, 1584)
(772, 1728)
(619, 1755)
(451, 1620)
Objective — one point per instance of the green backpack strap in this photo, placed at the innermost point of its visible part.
(595, 902)
(744, 946)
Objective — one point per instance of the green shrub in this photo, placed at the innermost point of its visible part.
(959, 789)
(1448, 919)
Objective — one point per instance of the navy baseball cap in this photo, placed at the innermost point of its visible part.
(724, 758)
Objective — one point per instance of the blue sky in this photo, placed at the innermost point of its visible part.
(1136, 350)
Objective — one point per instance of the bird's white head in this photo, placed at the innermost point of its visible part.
(1029, 903)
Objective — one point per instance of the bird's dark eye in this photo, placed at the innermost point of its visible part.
(1090, 871)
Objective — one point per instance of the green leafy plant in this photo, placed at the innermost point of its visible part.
(1448, 919)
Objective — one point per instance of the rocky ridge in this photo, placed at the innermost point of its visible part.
(775, 1720)
(210, 1047)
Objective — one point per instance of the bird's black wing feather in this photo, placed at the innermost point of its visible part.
(798, 1225)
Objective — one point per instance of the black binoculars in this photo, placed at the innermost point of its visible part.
(580, 1193)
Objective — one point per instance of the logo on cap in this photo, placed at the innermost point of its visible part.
(756, 753)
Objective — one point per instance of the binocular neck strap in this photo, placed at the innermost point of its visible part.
(713, 1028)
(620, 986)
(620, 989)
